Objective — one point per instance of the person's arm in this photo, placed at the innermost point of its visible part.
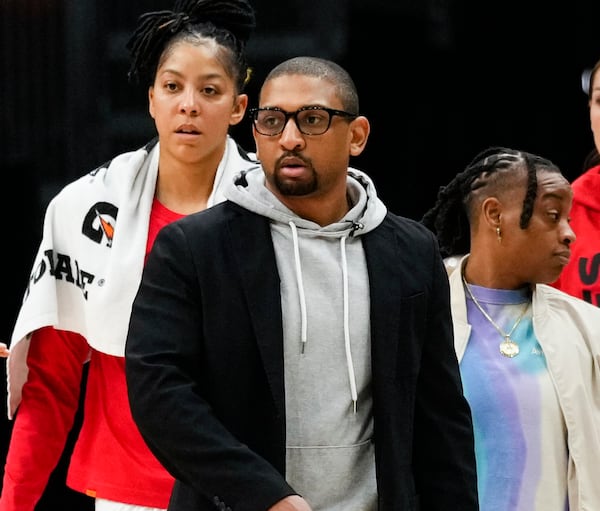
(44, 417)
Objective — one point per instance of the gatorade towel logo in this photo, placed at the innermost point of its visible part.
(99, 223)
(99, 226)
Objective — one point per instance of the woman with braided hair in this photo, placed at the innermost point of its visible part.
(529, 354)
(97, 232)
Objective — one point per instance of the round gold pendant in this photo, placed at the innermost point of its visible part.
(509, 348)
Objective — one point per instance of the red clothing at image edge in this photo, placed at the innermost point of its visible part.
(581, 277)
(110, 459)
(43, 422)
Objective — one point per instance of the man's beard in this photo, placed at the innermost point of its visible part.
(291, 187)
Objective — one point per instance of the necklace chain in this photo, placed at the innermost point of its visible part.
(508, 347)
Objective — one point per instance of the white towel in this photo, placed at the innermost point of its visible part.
(89, 263)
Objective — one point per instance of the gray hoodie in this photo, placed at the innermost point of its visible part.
(326, 334)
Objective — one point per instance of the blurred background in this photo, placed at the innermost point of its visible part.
(439, 80)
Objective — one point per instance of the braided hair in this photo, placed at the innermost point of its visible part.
(228, 22)
(491, 171)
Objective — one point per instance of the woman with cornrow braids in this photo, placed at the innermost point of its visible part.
(97, 232)
(529, 354)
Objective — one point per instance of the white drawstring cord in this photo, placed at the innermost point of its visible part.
(300, 285)
(351, 374)
(302, 297)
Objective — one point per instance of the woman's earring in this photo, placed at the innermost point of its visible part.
(498, 234)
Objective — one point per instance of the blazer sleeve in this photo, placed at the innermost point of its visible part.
(166, 355)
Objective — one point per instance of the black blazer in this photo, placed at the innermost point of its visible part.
(204, 366)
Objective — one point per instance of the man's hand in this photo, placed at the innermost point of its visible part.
(291, 503)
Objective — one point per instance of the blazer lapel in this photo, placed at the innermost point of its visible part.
(385, 282)
(253, 248)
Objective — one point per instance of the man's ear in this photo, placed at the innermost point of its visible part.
(359, 133)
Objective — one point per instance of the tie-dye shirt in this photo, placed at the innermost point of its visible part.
(520, 434)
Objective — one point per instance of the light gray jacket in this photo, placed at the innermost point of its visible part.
(568, 330)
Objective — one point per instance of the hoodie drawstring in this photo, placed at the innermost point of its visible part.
(351, 374)
(300, 284)
(302, 297)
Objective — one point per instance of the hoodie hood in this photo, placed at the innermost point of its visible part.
(367, 212)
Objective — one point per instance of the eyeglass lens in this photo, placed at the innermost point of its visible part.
(309, 122)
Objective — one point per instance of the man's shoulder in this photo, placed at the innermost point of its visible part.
(407, 227)
(218, 215)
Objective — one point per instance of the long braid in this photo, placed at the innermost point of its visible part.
(449, 217)
(448, 209)
(229, 22)
(532, 162)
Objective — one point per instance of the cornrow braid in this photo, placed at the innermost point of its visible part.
(532, 163)
(450, 218)
(229, 22)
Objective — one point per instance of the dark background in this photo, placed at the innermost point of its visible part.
(439, 80)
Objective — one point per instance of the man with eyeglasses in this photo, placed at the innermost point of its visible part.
(291, 349)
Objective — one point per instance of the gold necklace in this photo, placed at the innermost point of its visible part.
(508, 347)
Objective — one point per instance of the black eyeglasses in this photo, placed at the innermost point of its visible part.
(310, 120)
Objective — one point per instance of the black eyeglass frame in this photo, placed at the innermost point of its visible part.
(253, 112)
